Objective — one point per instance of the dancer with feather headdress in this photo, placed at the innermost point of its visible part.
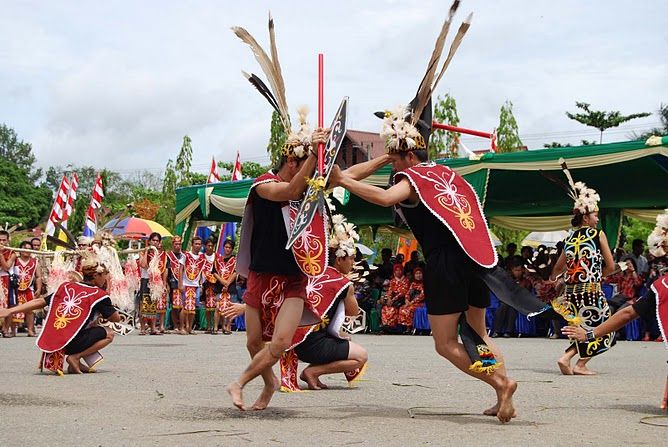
(585, 260)
(445, 216)
(276, 275)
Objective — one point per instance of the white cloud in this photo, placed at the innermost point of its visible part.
(118, 84)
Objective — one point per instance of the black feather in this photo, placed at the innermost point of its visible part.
(264, 90)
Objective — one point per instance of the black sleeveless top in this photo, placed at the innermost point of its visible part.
(433, 236)
(268, 253)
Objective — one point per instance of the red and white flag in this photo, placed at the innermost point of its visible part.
(213, 174)
(71, 198)
(236, 172)
(90, 226)
(58, 206)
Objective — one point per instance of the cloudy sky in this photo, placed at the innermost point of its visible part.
(117, 84)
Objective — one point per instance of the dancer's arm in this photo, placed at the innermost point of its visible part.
(559, 267)
(350, 306)
(38, 303)
(38, 279)
(615, 322)
(7, 264)
(401, 192)
(363, 170)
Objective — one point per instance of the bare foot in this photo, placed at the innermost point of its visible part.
(267, 393)
(311, 380)
(565, 367)
(492, 411)
(583, 371)
(234, 390)
(506, 409)
(73, 365)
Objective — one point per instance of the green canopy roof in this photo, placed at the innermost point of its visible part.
(631, 178)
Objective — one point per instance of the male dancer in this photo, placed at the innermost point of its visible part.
(6, 263)
(189, 285)
(148, 301)
(67, 329)
(210, 287)
(272, 271)
(445, 216)
(27, 269)
(175, 261)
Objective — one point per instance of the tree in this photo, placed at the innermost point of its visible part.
(554, 145)
(18, 152)
(445, 142)
(507, 134)
(659, 131)
(20, 200)
(249, 169)
(600, 119)
(277, 138)
(184, 162)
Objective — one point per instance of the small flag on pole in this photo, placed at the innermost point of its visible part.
(213, 174)
(58, 206)
(90, 226)
(236, 173)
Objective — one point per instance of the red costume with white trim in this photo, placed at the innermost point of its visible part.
(71, 305)
(26, 275)
(192, 273)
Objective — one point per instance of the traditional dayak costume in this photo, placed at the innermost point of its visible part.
(322, 343)
(583, 302)
(397, 292)
(69, 325)
(448, 220)
(209, 283)
(175, 264)
(414, 299)
(4, 281)
(192, 271)
(25, 274)
(152, 290)
(226, 268)
(272, 271)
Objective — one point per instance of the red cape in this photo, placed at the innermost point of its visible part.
(454, 202)
(70, 307)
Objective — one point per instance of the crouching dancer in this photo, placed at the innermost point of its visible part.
(68, 328)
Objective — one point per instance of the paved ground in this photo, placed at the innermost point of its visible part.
(169, 390)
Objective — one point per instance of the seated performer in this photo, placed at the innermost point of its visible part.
(394, 298)
(67, 330)
(414, 299)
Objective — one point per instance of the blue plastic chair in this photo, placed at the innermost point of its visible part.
(420, 319)
(489, 313)
(632, 330)
(525, 326)
(607, 289)
(240, 323)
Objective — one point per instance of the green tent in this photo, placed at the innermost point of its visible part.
(631, 178)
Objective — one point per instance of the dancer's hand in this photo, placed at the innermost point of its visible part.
(233, 310)
(574, 332)
(319, 135)
(335, 177)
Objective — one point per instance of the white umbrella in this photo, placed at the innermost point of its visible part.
(495, 239)
(366, 251)
(547, 238)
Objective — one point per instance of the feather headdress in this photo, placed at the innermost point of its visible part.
(298, 142)
(418, 114)
(343, 237)
(585, 199)
(657, 242)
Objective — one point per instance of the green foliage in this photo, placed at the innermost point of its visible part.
(635, 229)
(658, 131)
(600, 119)
(249, 169)
(184, 162)
(554, 145)
(18, 152)
(444, 142)
(507, 236)
(20, 200)
(508, 133)
(277, 138)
